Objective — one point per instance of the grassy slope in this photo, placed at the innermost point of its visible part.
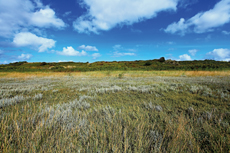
(100, 112)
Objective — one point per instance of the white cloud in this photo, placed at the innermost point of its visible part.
(67, 13)
(120, 48)
(24, 56)
(65, 61)
(38, 3)
(220, 54)
(39, 32)
(193, 52)
(28, 39)
(180, 26)
(70, 51)
(226, 32)
(185, 57)
(88, 48)
(118, 54)
(46, 18)
(83, 26)
(186, 3)
(18, 14)
(117, 47)
(203, 21)
(105, 15)
(96, 55)
(13, 14)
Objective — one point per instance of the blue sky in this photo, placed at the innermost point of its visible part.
(105, 30)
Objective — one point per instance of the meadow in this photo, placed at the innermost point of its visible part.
(115, 111)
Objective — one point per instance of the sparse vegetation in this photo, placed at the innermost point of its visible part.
(91, 112)
(120, 76)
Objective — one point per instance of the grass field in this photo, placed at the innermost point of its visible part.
(117, 111)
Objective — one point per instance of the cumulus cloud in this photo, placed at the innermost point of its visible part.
(105, 15)
(70, 51)
(24, 56)
(28, 39)
(46, 18)
(185, 57)
(193, 52)
(220, 54)
(87, 48)
(180, 27)
(18, 14)
(96, 55)
(11, 21)
(203, 21)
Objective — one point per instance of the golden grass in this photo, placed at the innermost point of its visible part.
(114, 74)
(207, 73)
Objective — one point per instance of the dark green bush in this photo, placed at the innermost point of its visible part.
(162, 59)
(148, 63)
(43, 63)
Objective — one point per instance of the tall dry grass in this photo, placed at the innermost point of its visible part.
(115, 115)
(114, 74)
(207, 73)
